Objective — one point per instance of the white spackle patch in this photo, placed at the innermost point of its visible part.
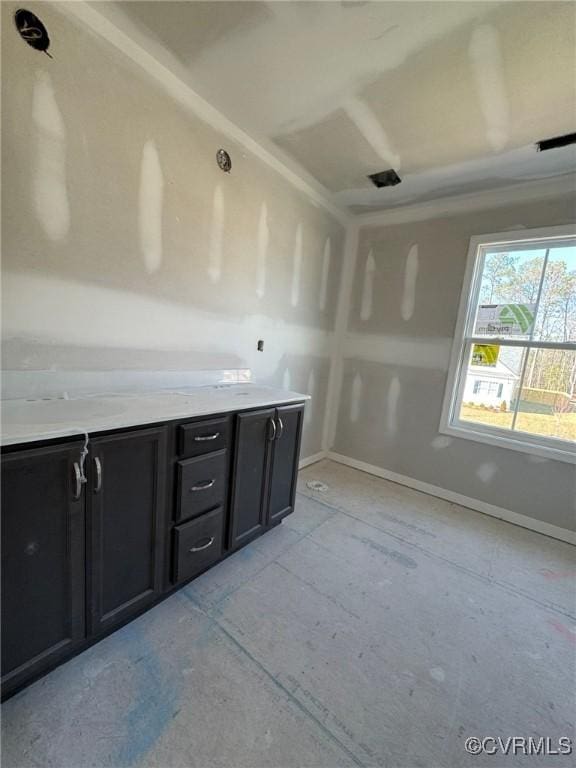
(324, 276)
(486, 471)
(441, 441)
(286, 379)
(486, 57)
(317, 485)
(368, 287)
(296, 267)
(372, 130)
(410, 276)
(150, 207)
(262, 251)
(216, 236)
(49, 189)
(392, 405)
(311, 385)
(355, 397)
(437, 673)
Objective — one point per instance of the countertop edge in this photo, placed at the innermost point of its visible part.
(70, 431)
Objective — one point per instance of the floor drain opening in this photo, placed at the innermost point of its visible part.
(317, 485)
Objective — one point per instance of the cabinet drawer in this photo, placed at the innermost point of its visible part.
(203, 437)
(201, 484)
(197, 544)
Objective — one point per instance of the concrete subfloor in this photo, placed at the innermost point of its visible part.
(377, 626)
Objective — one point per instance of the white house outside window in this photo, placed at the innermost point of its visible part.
(512, 378)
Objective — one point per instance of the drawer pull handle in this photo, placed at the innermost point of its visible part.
(203, 438)
(204, 546)
(274, 428)
(98, 467)
(281, 427)
(77, 481)
(203, 486)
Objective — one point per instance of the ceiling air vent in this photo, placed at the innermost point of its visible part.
(557, 141)
(385, 178)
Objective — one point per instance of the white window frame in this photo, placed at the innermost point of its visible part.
(450, 424)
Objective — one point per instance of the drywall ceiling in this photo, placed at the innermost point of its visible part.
(452, 95)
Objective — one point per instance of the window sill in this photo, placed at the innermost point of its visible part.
(523, 444)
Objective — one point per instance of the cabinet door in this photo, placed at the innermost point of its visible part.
(43, 605)
(285, 455)
(254, 431)
(127, 525)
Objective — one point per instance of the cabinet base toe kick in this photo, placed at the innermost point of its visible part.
(160, 506)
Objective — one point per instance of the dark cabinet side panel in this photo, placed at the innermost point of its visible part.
(286, 453)
(250, 475)
(127, 513)
(43, 561)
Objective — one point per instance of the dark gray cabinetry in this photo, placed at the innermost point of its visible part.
(43, 561)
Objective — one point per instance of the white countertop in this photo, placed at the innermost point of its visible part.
(27, 421)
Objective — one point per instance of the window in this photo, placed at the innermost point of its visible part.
(512, 377)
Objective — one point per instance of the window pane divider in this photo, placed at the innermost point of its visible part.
(530, 343)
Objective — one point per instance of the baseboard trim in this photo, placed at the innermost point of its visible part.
(312, 459)
(507, 515)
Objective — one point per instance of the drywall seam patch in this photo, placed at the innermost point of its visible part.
(372, 131)
(216, 236)
(488, 68)
(368, 287)
(286, 379)
(310, 387)
(90, 17)
(547, 529)
(410, 277)
(263, 239)
(151, 196)
(49, 188)
(392, 405)
(296, 266)
(324, 276)
(355, 397)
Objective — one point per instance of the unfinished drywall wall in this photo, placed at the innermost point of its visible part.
(125, 246)
(405, 295)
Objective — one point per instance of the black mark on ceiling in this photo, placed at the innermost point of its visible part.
(385, 178)
(557, 141)
(223, 160)
(32, 30)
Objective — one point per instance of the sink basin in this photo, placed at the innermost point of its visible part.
(54, 411)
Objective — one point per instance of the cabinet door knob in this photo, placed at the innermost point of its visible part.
(204, 546)
(273, 425)
(98, 481)
(203, 438)
(203, 486)
(281, 426)
(77, 481)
